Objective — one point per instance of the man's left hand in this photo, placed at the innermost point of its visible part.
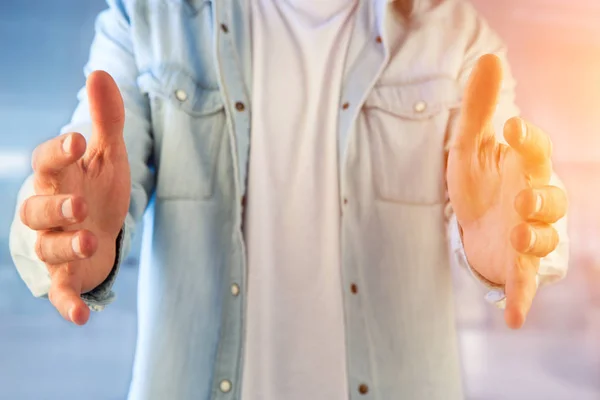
(501, 194)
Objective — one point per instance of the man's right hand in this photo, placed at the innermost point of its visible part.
(82, 193)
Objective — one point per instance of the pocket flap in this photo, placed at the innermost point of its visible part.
(181, 90)
(418, 100)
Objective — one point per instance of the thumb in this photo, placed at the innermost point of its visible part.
(65, 297)
(521, 287)
(107, 112)
(479, 103)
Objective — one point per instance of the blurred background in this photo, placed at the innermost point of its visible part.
(555, 53)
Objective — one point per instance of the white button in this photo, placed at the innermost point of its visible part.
(235, 289)
(420, 106)
(181, 95)
(225, 386)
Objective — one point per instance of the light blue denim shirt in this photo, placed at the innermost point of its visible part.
(184, 69)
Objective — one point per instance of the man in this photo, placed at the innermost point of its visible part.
(333, 119)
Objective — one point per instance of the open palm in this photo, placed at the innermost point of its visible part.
(500, 193)
(81, 199)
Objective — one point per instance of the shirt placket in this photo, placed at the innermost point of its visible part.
(368, 56)
(230, 31)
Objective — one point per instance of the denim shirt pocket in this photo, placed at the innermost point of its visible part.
(407, 133)
(188, 123)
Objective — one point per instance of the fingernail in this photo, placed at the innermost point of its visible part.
(76, 245)
(539, 201)
(72, 313)
(523, 133)
(67, 209)
(532, 239)
(66, 145)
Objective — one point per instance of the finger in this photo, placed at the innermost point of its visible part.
(532, 144)
(546, 204)
(65, 295)
(538, 174)
(48, 212)
(520, 289)
(535, 239)
(60, 247)
(52, 156)
(479, 103)
(107, 113)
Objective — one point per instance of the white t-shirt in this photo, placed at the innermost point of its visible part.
(295, 340)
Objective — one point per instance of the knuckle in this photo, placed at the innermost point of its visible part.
(541, 173)
(40, 183)
(524, 272)
(46, 156)
(40, 157)
(48, 210)
(52, 248)
(55, 296)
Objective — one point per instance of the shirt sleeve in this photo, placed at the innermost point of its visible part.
(111, 51)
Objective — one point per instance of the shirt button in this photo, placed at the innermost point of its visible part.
(235, 289)
(345, 106)
(420, 106)
(240, 106)
(354, 288)
(224, 28)
(378, 39)
(363, 389)
(181, 95)
(225, 386)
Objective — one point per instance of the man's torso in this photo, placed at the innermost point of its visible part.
(398, 96)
